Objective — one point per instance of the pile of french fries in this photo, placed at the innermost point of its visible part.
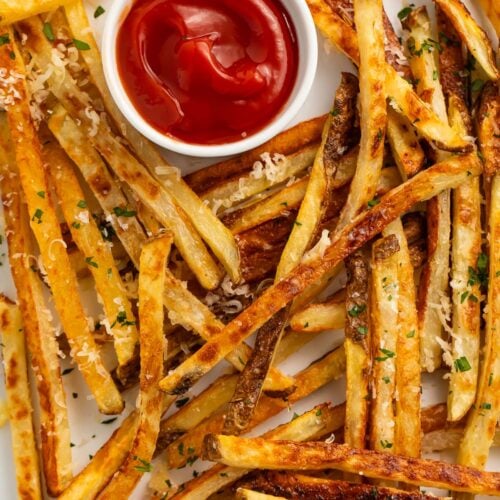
(387, 189)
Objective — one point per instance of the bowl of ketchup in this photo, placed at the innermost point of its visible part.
(209, 77)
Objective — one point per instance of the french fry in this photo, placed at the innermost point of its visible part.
(433, 286)
(101, 182)
(417, 111)
(488, 117)
(19, 401)
(47, 232)
(328, 315)
(97, 254)
(384, 332)
(101, 468)
(449, 439)
(258, 180)
(492, 10)
(483, 417)
(423, 186)
(471, 34)
(357, 345)
(407, 431)
(370, 33)
(290, 141)
(326, 369)
(311, 425)
(39, 332)
(295, 485)
(151, 402)
(267, 454)
(12, 11)
(335, 140)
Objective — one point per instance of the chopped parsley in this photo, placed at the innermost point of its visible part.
(109, 421)
(319, 413)
(362, 330)
(356, 310)
(490, 379)
(335, 112)
(462, 364)
(82, 204)
(385, 444)
(37, 216)
(294, 416)
(121, 319)
(48, 32)
(80, 45)
(180, 449)
(485, 406)
(435, 75)
(404, 13)
(91, 262)
(297, 223)
(144, 465)
(99, 11)
(41, 194)
(4, 39)
(76, 225)
(387, 354)
(306, 324)
(373, 203)
(477, 85)
(410, 335)
(386, 379)
(124, 212)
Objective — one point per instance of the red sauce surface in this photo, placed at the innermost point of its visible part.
(208, 71)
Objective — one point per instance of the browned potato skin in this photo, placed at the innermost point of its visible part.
(296, 486)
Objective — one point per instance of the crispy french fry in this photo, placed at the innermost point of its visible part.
(39, 332)
(94, 477)
(151, 402)
(492, 10)
(19, 401)
(357, 350)
(384, 331)
(310, 425)
(330, 367)
(100, 181)
(370, 33)
(259, 179)
(47, 232)
(294, 486)
(471, 34)
(12, 11)
(467, 266)
(480, 428)
(449, 439)
(290, 141)
(407, 431)
(328, 315)
(488, 117)
(423, 186)
(96, 252)
(266, 454)
(417, 111)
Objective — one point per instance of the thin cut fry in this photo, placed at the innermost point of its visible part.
(150, 404)
(40, 334)
(384, 326)
(94, 477)
(266, 454)
(357, 345)
(295, 486)
(488, 117)
(96, 252)
(311, 425)
(441, 176)
(244, 494)
(47, 232)
(472, 35)
(370, 32)
(19, 401)
(492, 10)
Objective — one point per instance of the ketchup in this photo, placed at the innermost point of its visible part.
(208, 71)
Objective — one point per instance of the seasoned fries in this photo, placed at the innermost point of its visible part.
(368, 220)
(45, 226)
(270, 454)
(18, 401)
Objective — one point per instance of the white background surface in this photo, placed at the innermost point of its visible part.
(87, 431)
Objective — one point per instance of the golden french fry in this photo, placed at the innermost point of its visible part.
(39, 331)
(244, 494)
(423, 186)
(12, 11)
(267, 454)
(19, 401)
(45, 226)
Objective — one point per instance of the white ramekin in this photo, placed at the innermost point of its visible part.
(308, 59)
